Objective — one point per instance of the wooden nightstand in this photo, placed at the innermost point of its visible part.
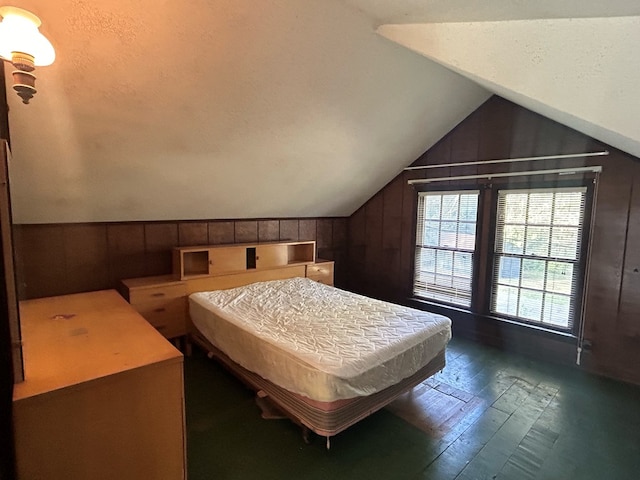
(321, 271)
(161, 300)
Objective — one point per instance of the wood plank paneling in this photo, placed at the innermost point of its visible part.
(126, 251)
(268, 230)
(357, 250)
(392, 214)
(374, 254)
(324, 229)
(339, 239)
(440, 153)
(221, 232)
(465, 139)
(246, 231)
(86, 253)
(392, 233)
(553, 134)
(193, 233)
(524, 134)
(40, 263)
(500, 129)
(289, 230)
(630, 292)
(408, 238)
(339, 251)
(495, 126)
(70, 258)
(307, 229)
(575, 142)
(608, 247)
(159, 239)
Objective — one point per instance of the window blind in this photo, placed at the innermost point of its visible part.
(537, 264)
(445, 243)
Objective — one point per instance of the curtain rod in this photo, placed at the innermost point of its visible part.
(509, 160)
(559, 171)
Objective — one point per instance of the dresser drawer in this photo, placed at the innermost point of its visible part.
(159, 292)
(168, 316)
(321, 272)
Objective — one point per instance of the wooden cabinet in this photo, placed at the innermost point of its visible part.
(103, 395)
(270, 256)
(161, 301)
(321, 271)
(193, 262)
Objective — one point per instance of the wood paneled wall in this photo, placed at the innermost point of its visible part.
(382, 236)
(58, 259)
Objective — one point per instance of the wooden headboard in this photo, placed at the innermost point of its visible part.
(223, 282)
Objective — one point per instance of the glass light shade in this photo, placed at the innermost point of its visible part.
(19, 33)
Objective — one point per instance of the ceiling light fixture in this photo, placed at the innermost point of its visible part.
(25, 47)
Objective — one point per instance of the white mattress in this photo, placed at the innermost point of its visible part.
(318, 341)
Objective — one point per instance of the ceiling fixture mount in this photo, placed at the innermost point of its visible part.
(22, 44)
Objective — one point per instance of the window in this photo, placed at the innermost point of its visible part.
(522, 260)
(537, 255)
(445, 243)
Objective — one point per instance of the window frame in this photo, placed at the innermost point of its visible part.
(424, 194)
(483, 261)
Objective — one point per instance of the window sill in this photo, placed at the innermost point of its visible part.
(455, 313)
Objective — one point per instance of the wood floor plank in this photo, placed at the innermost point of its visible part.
(454, 392)
(529, 456)
(514, 396)
(496, 453)
(460, 452)
(427, 410)
(458, 423)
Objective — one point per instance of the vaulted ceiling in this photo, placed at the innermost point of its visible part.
(282, 108)
(574, 61)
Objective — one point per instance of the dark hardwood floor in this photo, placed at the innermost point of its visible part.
(487, 415)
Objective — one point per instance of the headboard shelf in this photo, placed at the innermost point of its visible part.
(205, 260)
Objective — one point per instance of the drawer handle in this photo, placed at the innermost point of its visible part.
(159, 294)
(158, 310)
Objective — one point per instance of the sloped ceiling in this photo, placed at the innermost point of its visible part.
(574, 61)
(199, 109)
(438, 11)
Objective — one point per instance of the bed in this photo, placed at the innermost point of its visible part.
(326, 357)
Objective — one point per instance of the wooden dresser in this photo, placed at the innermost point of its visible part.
(103, 395)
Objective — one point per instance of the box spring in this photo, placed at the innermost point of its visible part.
(324, 418)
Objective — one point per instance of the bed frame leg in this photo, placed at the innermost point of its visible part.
(306, 435)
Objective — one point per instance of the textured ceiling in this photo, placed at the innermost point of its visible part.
(278, 108)
(574, 61)
(590, 83)
(220, 109)
(436, 11)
